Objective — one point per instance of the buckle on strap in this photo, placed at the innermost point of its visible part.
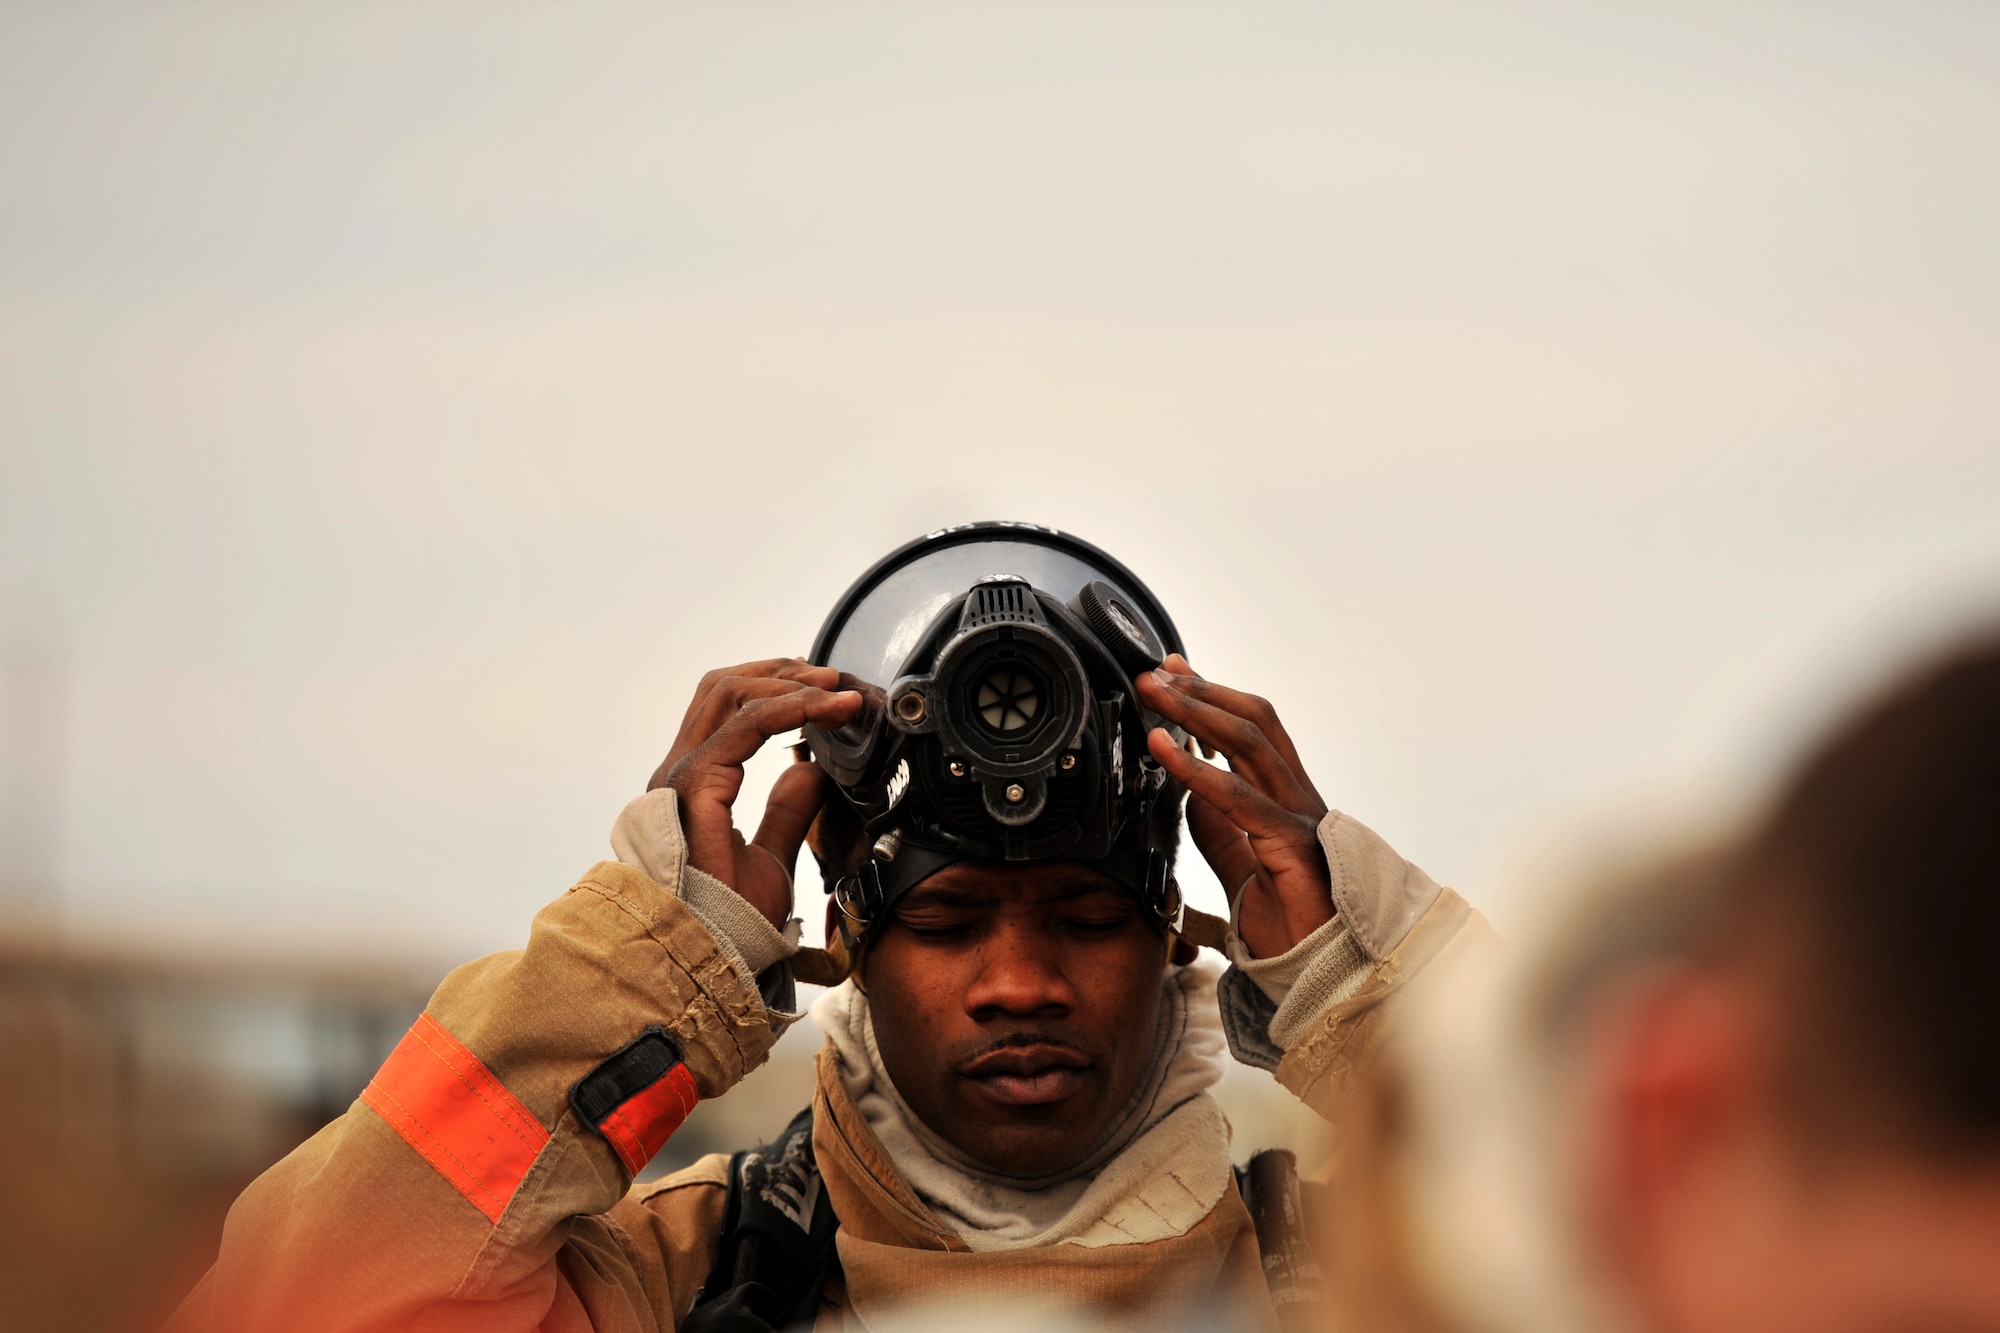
(1163, 891)
(860, 898)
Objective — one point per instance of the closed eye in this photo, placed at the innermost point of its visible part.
(1097, 925)
(939, 928)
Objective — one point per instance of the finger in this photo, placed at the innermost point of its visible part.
(730, 694)
(1249, 707)
(759, 719)
(1247, 807)
(774, 668)
(1178, 665)
(796, 797)
(1256, 710)
(1225, 847)
(724, 697)
(720, 694)
(1240, 738)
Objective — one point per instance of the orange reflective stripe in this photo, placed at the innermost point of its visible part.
(462, 1120)
(641, 1124)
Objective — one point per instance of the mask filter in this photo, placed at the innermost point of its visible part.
(1006, 701)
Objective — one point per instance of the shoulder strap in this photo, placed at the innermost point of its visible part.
(777, 1247)
(1272, 1192)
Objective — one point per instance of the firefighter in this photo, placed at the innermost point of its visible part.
(1748, 1086)
(1012, 1106)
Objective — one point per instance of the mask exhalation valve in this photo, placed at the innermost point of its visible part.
(1008, 700)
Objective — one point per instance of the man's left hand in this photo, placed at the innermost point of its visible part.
(1256, 822)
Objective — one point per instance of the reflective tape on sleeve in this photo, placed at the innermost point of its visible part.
(637, 1098)
(449, 1107)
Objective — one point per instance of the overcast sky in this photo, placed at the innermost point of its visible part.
(1551, 408)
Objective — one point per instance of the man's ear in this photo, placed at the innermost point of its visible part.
(1677, 1080)
(1685, 1074)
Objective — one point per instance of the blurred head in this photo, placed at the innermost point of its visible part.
(1798, 1126)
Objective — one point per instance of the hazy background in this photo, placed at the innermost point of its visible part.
(1552, 408)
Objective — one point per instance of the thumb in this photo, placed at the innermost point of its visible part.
(796, 797)
(1224, 846)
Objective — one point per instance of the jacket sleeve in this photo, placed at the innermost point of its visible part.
(1313, 1015)
(481, 1180)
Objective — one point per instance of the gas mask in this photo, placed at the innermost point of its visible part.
(996, 663)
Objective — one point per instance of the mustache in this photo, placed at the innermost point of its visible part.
(1023, 1039)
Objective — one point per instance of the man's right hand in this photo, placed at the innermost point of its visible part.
(735, 710)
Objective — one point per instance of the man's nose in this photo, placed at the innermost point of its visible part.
(1019, 974)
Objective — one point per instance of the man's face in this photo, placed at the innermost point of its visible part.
(1014, 1007)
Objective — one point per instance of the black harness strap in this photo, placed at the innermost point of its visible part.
(777, 1252)
(1278, 1206)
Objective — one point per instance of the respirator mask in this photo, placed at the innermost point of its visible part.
(1000, 722)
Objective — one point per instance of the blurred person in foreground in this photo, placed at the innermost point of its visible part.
(1012, 1101)
(1753, 1086)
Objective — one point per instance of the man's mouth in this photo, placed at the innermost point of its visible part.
(1028, 1075)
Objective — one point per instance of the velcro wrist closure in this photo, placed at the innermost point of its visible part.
(637, 1097)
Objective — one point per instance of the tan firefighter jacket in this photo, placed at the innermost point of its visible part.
(483, 1179)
